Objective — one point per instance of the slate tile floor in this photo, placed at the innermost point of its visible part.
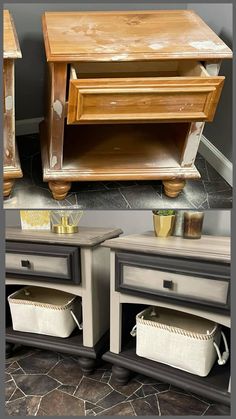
(31, 192)
(44, 383)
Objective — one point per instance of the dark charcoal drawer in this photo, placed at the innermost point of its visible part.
(183, 280)
(44, 261)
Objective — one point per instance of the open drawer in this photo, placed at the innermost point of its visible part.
(180, 91)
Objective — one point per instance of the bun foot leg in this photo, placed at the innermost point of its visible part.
(87, 365)
(172, 188)
(7, 187)
(121, 375)
(59, 189)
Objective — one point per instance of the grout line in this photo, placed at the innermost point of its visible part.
(158, 405)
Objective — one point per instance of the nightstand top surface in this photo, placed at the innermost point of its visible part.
(208, 247)
(11, 48)
(129, 36)
(87, 236)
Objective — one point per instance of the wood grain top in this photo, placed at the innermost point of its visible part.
(87, 236)
(128, 36)
(208, 247)
(11, 48)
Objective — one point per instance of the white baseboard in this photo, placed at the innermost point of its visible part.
(28, 126)
(214, 156)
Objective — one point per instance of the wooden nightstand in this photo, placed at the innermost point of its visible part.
(199, 274)
(11, 51)
(128, 96)
(74, 263)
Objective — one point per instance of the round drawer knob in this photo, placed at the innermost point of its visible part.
(25, 264)
(168, 284)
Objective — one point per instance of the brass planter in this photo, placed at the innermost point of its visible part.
(163, 225)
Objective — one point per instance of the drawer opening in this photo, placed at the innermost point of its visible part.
(125, 151)
(163, 92)
(137, 69)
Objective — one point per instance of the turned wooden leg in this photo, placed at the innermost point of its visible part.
(121, 375)
(87, 365)
(7, 187)
(9, 349)
(59, 189)
(173, 187)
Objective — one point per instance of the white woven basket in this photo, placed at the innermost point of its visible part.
(45, 311)
(180, 340)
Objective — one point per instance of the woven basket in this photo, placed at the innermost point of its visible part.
(45, 311)
(180, 340)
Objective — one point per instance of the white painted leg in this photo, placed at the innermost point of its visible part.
(116, 311)
(194, 134)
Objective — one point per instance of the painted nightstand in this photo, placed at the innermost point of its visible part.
(128, 95)
(74, 263)
(11, 51)
(198, 275)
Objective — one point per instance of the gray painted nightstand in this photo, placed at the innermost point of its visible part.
(74, 263)
(198, 275)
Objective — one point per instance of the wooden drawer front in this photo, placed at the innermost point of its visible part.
(184, 98)
(43, 261)
(183, 280)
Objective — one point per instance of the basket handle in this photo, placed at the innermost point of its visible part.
(133, 331)
(222, 359)
(80, 326)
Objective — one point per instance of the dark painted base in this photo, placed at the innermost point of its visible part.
(73, 345)
(9, 349)
(121, 375)
(214, 386)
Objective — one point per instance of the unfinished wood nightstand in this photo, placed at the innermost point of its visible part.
(11, 51)
(129, 93)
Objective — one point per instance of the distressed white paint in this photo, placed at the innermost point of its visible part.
(57, 107)
(157, 45)
(9, 103)
(7, 152)
(119, 57)
(193, 142)
(53, 161)
(213, 68)
(207, 45)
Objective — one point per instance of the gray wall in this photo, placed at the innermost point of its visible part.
(30, 70)
(215, 222)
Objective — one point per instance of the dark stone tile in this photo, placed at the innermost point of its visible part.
(148, 389)
(9, 389)
(142, 197)
(18, 371)
(7, 377)
(18, 394)
(39, 363)
(212, 173)
(222, 188)
(41, 413)
(144, 379)
(111, 199)
(67, 372)
(122, 409)
(195, 193)
(218, 410)
(92, 390)
(20, 352)
(89, 406)
(26, 406)
(105, 380)
(132, 397)
(128, 389)
(119, 184)
(172, 403)
(97, 375)
(139, 392)
(147, 406)
(161, 387)
(219, 202)
(58, 403)
(67, 389)
(12, 367)
(111, 400)
(201, 166)
(37, 385)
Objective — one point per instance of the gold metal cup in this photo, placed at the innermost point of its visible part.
(65, 227)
